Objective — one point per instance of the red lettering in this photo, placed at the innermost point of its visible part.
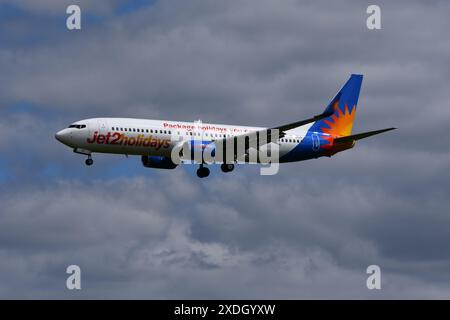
(146, 142)
(158, 144)
(101, 139)
(166, 143)
(140, 140)
(107, 137)
(92, 140)
(116, 136)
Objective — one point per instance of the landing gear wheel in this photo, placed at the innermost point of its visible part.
(227, 167)
(202, 172)
(89, 162)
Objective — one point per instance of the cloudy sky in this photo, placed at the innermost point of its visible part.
(308, 232)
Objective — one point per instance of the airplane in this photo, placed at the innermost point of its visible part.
(154, 140)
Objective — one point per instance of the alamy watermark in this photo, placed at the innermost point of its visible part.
(73, 281)
(374, 279)
(73, 21)
(198, 146)
(373, 21)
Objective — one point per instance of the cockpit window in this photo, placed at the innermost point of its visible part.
(78, 126)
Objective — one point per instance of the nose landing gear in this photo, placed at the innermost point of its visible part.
(89, 161)
(202, 172)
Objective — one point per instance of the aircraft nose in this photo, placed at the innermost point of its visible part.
(62, 136)
(59, 136)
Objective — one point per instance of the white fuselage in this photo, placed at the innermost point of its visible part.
(155, 137)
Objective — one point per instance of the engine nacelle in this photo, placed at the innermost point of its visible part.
(158, 162)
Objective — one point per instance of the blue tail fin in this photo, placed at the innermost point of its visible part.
(342, 109)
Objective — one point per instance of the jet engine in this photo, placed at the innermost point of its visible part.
(158, 162)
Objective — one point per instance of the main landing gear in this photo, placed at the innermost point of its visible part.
(202, 172)
(227, 167)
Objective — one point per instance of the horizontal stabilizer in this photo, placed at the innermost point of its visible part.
(360, 136)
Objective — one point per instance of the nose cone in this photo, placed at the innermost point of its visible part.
(58, 136)
(63, 136)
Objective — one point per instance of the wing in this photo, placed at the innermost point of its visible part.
(255, 139)
(300, 123)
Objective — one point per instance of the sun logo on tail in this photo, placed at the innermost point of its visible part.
(339, 124)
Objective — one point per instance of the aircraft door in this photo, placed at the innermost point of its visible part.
(102, 126)
(315, 142)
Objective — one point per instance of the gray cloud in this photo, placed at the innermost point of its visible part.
(133, 243)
